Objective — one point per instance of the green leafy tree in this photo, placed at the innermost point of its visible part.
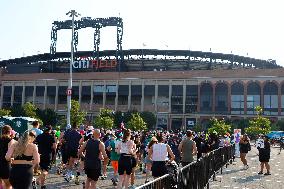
(136, 123)
(118, 118)
(29, 110)
(149, 118)
(105, 119)
(48, 116)
(5, 112)
(77, 116)
(197, 128)
(259, 125)
(17, 111)
(279, 125)
(220, 127)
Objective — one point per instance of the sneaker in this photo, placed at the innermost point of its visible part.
(260, 173)
(77, 181)
(34, 183)
(267, 173)
(103, 177)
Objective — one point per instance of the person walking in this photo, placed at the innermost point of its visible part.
(187, 148)
(126, 150)
(23, 155)
(93, 149)
(72, 139)
(5, 142)
(46, 144)
(148, 160)
(264, 156)
(159, 154)
(114, 156)
(244, 149)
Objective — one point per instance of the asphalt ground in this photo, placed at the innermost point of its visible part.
(234, 176)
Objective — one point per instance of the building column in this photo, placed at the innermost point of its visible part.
(229, 98)
(170, 96)
(92, 96)
(245, 98)
(104, 95)
(2, 96)
(129, 96)
(13, 94)
(80, 92)
(183, 96)
(142, 97)
(45, 95)
(198, 97)
(116, 97)
(279, 100)
(56, 95)
(214, 97)
(156, 96)
(262, 95)
(23, 93)
(34, 92)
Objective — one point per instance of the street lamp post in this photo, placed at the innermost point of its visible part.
(72, 14)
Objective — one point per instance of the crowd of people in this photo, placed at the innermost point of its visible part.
(88, 150)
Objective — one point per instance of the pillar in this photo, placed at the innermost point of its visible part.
(129, 96)
(245, 98)
(229, 98)
(13, 94)
(142, 97)
(170, 96)
(34, 92)
(214, 97)
(116, 97)
(279, 100)
(45, 95)
(104, 95)
(56, 95)
(23, 93)
(2, 96)
(156, 96)
(92, 96)
(183, 96)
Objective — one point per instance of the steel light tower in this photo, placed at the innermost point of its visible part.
(72, 14)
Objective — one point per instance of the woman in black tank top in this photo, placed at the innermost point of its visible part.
(23, 154)
(5, 142)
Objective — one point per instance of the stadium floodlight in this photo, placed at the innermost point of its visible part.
(72, 14)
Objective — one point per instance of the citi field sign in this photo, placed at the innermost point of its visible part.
(84, 63)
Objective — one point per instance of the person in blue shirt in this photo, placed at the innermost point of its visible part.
(36, 128)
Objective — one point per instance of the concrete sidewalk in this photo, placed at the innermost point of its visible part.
(235, 176)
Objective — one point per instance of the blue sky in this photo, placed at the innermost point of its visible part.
(255, 27)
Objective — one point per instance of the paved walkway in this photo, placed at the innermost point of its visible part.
(234, 176)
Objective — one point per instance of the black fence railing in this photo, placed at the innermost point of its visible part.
(197, 174)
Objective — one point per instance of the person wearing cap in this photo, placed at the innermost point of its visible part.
(46, 144)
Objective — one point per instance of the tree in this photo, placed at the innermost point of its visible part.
(259, 125)
(29, 110)
(77, 117)
(149, 118)
(105, 119)
(48, 116)
(136, 123)
(219, 126)
(17, 111)
(5, 112)
(118, 118)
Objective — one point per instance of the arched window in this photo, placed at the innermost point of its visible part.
(206, 96)
(237, 98)
(221, 98)
(270, 104)
(253, 97)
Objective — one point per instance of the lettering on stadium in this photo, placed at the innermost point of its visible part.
(84, 63)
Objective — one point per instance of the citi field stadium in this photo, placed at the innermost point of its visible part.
(182, 87)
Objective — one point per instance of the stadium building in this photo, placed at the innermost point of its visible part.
(182, 87)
